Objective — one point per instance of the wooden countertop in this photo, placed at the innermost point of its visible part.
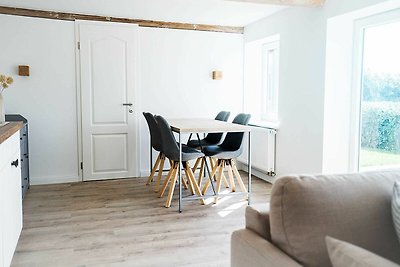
(9, 129)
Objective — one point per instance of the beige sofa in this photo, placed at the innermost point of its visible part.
(305, 209)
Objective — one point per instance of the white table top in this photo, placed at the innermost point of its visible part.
(196, 125)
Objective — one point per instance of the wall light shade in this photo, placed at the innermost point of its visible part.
(23, 70)
(217, 75)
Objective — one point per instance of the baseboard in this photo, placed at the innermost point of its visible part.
(144, 173)
(256, 172)
(42, 180)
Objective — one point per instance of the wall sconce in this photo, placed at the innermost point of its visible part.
(217, 75)
(23, 70)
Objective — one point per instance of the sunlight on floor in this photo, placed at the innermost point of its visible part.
(228, 210)
(211, 199)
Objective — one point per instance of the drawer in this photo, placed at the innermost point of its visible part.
(8, 148)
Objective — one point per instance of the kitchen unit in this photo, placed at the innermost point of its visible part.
(10, 191)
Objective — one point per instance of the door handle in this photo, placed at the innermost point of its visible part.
(127, 104)
(15, 163)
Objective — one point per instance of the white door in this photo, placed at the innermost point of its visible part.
(107, 59)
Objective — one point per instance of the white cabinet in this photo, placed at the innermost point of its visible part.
(10, 198)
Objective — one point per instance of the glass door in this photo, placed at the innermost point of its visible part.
(380, 97)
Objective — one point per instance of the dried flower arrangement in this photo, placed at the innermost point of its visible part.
(5, 82)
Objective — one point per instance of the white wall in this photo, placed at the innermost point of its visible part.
(303, 39)
(176, 76)
(300, 114)
(47, 98)
(174, 80)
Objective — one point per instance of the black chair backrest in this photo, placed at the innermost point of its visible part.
(233, 141)
(169, 145)
(215, 138)
(155, 134)
(222, 116)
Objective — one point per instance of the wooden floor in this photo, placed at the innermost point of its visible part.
(123, 223)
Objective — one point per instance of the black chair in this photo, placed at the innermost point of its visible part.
(171, 150)
(156, 143)
(210, 140)
(225, 154)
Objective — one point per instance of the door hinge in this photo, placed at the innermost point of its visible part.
(79, 45)
(81, 165)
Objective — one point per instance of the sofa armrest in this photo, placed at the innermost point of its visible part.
(249, 249)
(257, 220)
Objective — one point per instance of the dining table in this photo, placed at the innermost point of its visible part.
(197, 126)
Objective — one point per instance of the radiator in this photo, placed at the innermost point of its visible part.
(263, 151)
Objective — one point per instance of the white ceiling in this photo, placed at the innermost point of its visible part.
(217, 12)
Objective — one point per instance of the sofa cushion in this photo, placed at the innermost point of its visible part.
(343, 254)
(257, 220)
(354, 207)
(396, 208)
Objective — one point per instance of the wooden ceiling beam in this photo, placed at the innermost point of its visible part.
(143, 23)
(310, 3)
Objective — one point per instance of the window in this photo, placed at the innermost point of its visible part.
(261, 79)
(379, 93)
(270, 79)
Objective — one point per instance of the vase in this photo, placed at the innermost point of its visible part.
(2, 111)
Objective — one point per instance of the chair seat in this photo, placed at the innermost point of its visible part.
(188, 153)
(221, 153)
(202, 143)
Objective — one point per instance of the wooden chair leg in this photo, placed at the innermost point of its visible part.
(195, 185)
(219, 179)
(238, 177)
(196, 164)
(225, 180)
(189, 181)
(153, 171)
(172, 172)
(231, 180)
(214, 162)
(200, 178)
(184, 183)
(171, 190)
(207, 184)
(160, 172)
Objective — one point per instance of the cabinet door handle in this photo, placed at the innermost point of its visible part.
(15, 163)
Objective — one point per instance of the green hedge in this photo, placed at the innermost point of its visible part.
(381, 126)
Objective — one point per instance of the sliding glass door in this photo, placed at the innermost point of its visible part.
(379, 123)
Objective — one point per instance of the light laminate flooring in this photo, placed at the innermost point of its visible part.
(124, 223)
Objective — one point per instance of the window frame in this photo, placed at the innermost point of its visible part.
(357, 88)
(270, 80)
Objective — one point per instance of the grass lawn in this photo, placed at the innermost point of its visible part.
(375, 157)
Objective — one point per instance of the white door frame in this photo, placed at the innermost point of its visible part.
(136, 103)
(358, 51)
